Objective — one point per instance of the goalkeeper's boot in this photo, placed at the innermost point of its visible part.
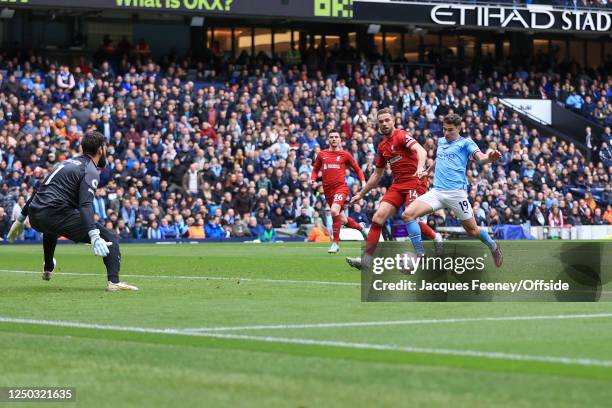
(48, 272)
(119, 286)
(334, 248)
(498, 257)
(364, 232)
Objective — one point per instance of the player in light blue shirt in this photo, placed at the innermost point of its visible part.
(450, 187)
(451, 161)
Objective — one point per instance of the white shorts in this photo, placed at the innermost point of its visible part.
(456, 200)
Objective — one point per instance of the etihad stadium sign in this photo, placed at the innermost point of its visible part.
(470, 15)
(535, 18)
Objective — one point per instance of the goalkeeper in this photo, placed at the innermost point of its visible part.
(63, 206)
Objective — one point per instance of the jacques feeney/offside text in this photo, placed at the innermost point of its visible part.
(474, 285)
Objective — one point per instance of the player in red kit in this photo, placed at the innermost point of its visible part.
(407, 159)
(333, 163)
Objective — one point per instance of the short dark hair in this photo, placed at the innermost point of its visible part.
(91, 142)
(452, 119)
(384, 111)
(333, 131)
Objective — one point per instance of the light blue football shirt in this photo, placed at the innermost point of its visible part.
(451, 162)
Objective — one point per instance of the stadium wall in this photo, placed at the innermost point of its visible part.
(582, 232)
(52, 33)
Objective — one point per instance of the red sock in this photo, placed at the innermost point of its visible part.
(426, 230)
(336, 224)
(351, 223)
(373, 237)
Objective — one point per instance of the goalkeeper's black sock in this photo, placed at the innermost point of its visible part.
(49, 243)
(113, 259)
(113, 262)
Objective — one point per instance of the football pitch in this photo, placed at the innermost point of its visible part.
(282, 325)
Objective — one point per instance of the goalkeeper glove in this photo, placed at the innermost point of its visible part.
(16, 229)
(100, 246)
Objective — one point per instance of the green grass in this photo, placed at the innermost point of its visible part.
(234, 285)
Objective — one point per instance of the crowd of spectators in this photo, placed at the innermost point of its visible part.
(588, 101)
(193, 157)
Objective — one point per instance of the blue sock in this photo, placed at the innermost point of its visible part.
(486, 239)
(414, 233)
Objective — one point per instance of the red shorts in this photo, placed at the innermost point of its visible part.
(422, 187)
(399, 195)
(337, 196)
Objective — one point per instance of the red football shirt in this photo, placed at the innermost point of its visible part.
(332, 165)
(395, 150)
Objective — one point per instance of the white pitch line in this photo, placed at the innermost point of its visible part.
(330, 343)
(220, 278)
(96, 326)
(409, 349)
(398, 322)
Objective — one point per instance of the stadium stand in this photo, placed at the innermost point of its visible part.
(220, 147)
